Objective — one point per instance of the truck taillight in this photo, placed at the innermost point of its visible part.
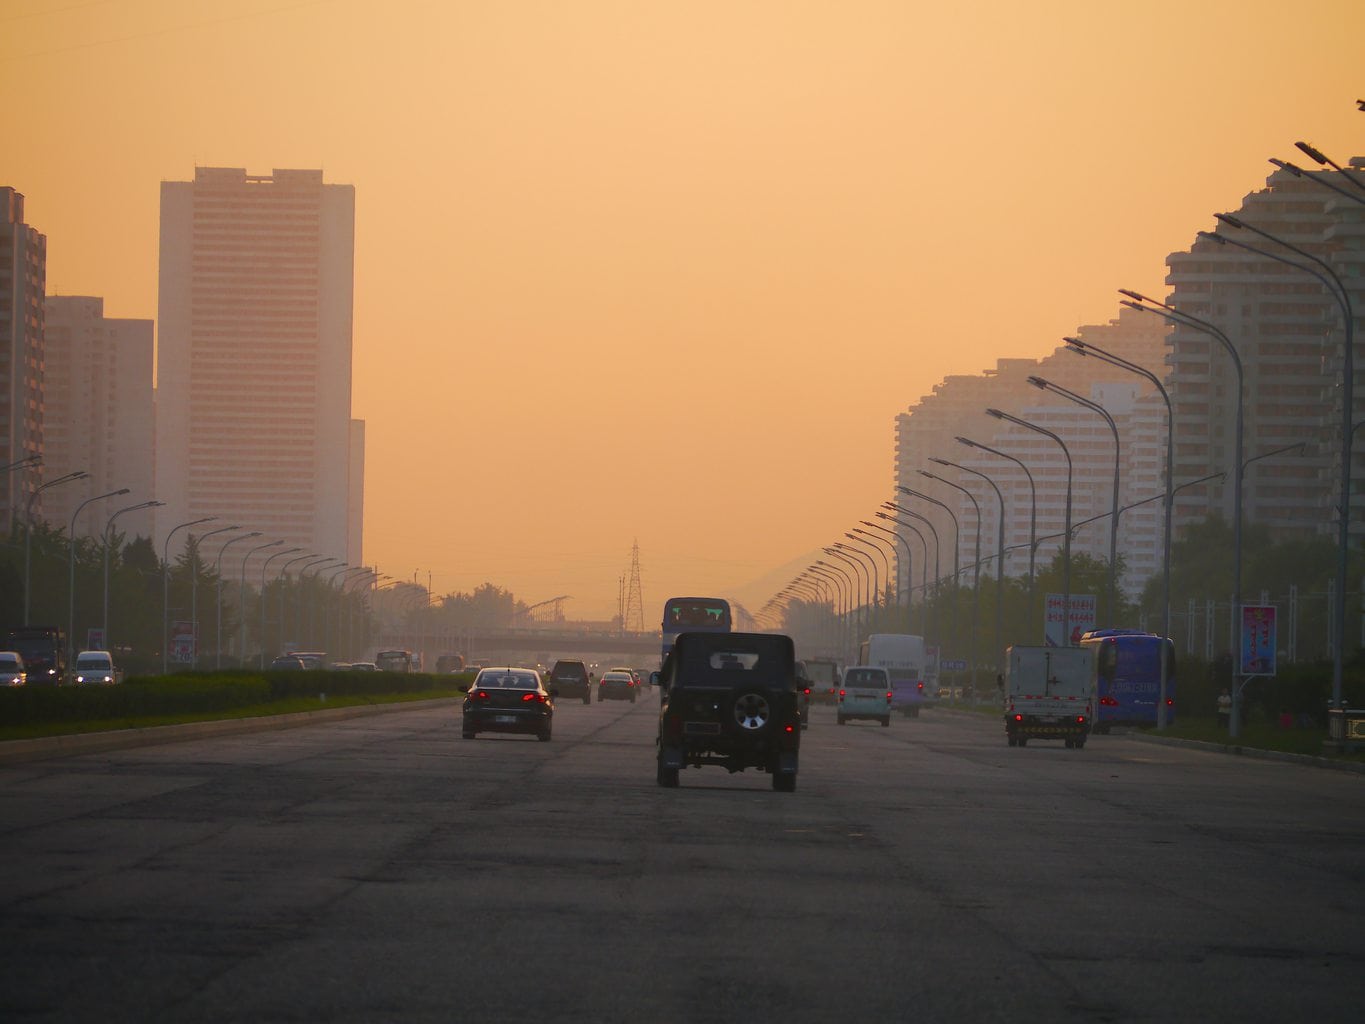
(1018, 718)
(1080, 719)
(888, 696)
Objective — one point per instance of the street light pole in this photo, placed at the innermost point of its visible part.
(194, 590)
(910, 572)
(841, 609)
(71, 572)
(284, 580)
(861, 615)
(976, 568)
(241, 600)
(108, 641)
(1085, 348)
(265, 565)
(298, 605)
(1066, 525)
(875, 584)
(1046, 385)
(1183, 319)
(850, 615)
(1343, 300)
(218, 572)
(166, 591)
(999, 561)
(935, 625)
(1032, 514)
(886, 564)
(957, 562)
(80, 474)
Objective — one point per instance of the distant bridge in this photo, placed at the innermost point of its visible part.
(478, 643)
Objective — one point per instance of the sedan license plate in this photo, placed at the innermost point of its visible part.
(1048, 719)
(505, 719)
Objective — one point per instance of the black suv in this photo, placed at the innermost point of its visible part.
(730, 699)
(571, 679)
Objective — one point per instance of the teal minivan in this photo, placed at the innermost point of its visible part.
(865, 693)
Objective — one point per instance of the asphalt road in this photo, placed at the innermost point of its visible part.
(383, 869)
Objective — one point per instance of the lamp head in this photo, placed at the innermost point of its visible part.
(1212, 237)
(1229, 220)
(939, 462)
(1314, 154)
(1040, 383)
(1076, 345)
(1136, 296)
(967, 441)
(996, 413)
(1286, 166)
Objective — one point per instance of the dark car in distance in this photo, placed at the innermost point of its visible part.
(571, 679)
(617, 684)
(729, 699)
(508, 700)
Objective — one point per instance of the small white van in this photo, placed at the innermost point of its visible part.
(865, 693)
(94, 668)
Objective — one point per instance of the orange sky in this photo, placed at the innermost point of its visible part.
(668, 270)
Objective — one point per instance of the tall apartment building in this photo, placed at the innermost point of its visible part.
(254, 358)
(23, 282)
(1289, 335)
(957, 407)
(100, 415)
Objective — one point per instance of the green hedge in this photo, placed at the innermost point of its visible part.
(190, 693)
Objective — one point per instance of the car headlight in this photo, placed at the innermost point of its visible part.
(80, 679)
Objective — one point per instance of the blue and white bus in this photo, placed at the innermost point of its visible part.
(693, 615)
(1128, 676)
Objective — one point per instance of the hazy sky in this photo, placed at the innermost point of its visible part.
(667, 271)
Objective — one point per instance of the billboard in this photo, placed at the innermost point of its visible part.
(182, 643)
(1258, 640)
(1082, 619)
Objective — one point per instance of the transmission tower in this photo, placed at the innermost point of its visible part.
(633, 618)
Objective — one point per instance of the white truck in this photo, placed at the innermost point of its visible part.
(1049, 694)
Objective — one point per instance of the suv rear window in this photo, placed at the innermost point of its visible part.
(725, 659)
(569, 670)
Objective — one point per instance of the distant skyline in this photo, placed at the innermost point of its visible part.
(669, 272)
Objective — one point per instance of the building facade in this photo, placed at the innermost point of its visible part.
(1034, 494)
(23, 284)
(1289, 335)
(254, 358)
(100, 414)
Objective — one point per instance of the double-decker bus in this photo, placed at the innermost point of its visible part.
(693, 615)
(1128, 676)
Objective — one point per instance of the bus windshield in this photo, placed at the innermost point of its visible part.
(693, 615)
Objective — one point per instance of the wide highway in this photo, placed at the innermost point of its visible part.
(384, 869)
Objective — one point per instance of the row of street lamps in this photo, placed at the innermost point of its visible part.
(1307, 263)
(322, 563)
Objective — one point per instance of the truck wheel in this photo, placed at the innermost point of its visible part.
(1070, 743)
(1023, 741)
(784, 782)
(587, 697)
(469, 734)
(1080, 744)
(843, 720)
(1013, 741)
(886, 721)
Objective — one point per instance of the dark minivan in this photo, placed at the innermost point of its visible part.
(571, 679)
